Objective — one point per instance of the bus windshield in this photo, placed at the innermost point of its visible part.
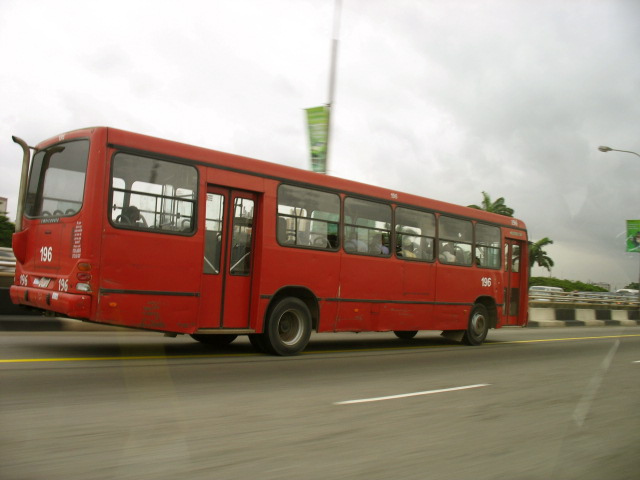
(56, 183)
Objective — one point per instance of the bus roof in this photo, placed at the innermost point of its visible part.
(268, 170)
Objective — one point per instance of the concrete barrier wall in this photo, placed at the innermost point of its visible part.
(549, 316)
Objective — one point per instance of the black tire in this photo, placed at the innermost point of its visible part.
(478, 326)
(288, 327)
(215, 340)
(405, 334)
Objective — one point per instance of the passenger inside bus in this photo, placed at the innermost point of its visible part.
(407, 247)
(354, 244)
(446, 253)
(131, 216)
(378, 245)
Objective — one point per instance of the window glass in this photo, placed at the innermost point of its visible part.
(152, 194)
(242, 233)
(487, 246)
(367, 227)
(515, 258)
(56, 182)
(307, 218)
(415, 234)
(213, 233)
(455, 240)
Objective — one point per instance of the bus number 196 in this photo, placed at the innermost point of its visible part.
(46, 254)
(485, 281)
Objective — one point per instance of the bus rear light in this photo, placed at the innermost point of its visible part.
(83, 276)
(83, 287)
(84, 267)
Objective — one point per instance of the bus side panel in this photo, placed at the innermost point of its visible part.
(150, 280)
(454, 297)
(287, 267)
(383, 294)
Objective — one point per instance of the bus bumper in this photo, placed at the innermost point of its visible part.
(70, 304)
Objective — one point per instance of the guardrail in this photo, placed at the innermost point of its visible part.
(583, 299)
(8, 265)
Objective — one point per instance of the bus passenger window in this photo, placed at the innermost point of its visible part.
(307, 218)
(415, 234)
(487, 246)
(456, 241)
(367, 227)
(163, 192)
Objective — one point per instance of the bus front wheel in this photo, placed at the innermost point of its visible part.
(288, 327)
(478, 326)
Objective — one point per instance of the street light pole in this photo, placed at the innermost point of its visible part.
(609, 149)
(605, 149)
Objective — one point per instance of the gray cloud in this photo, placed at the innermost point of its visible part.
(441, 99)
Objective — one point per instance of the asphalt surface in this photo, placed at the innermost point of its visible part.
(530, 404)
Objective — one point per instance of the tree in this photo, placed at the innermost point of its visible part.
(6, 231)
(538, 255)
(498, 206)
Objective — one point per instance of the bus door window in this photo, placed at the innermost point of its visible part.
(213, 233)
(512, 266)
(242, 234)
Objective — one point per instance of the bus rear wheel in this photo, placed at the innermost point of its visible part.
(405, 334)
(288, 327)
(478, 326)
(221, 340)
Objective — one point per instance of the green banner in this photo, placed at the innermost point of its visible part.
(633, 236)
(318, 123)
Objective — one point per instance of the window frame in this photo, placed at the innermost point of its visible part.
(434, 238)
(442, 240)
(160, 199)
(355, 226)
(298, 219)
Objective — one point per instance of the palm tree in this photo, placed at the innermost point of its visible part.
(538, 255)
(498, 206)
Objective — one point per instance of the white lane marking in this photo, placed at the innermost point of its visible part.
(582, 409)
(413, 394)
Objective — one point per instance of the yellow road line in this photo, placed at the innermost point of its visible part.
(404, 347)
(145, 357)
(574, 338)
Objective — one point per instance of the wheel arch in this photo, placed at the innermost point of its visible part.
(300, 292)
(492, 308)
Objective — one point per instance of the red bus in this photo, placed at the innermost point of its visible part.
(129, 230)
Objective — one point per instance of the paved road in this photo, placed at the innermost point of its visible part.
(530, 404)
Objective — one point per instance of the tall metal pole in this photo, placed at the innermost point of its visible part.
(605, 149)
(337, 10)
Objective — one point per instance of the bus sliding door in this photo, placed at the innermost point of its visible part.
(226, 279)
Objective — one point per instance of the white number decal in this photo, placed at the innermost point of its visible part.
(24, 280)
(63, 285)
(485, 281)
(394, 196)
(46, 254)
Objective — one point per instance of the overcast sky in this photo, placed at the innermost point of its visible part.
(443, 99)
